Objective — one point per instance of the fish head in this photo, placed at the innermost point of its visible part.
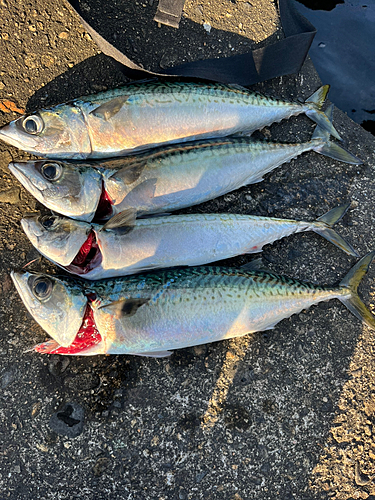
(67, 188)
(57, 238)
(58, 132)
(57, 304)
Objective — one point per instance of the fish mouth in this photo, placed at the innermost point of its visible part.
(17, 281)
(88, 258)
(28, 224)
(24, 175)
(14, 137)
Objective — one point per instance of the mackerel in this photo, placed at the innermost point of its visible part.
(165, 179)
(143, 115)
(154, 313)
(125, 245)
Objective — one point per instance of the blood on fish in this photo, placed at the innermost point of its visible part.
(84, 251)
(87, 336)
(104, 210)
(87, 258)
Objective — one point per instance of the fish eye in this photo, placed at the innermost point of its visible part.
(51, 171)
(33, 124)
(42, 288)
(48, 221)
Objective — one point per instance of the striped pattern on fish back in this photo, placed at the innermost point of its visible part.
(187, 91)
(206, 277)
(212, 147)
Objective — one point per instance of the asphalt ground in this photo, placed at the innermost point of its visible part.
(285, 414)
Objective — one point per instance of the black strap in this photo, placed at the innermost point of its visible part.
(283, 57)
(169, 12)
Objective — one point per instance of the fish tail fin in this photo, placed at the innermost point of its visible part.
(315, 113)
(324, 227)
(351, 282)
(331, 149)
(319, 96)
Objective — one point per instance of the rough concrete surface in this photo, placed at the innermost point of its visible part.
(284, 414)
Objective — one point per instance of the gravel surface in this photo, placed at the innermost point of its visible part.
(287, 413)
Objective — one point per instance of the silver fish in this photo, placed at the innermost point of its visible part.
(152, 314)
(125, 245)
(144, 115)
(166, 179)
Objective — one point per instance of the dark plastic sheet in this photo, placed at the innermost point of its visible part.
(283, 57)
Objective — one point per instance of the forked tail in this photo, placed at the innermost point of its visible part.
(315, 113)
(324, 227)
(351, 282)
(328, 148)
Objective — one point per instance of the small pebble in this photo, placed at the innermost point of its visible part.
(36, 408)
(207, 27)
(200, 476)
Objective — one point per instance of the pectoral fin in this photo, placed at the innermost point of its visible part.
(131, 173)
(124, 220)
(125, 307)
(143, 192)
(109, 109)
